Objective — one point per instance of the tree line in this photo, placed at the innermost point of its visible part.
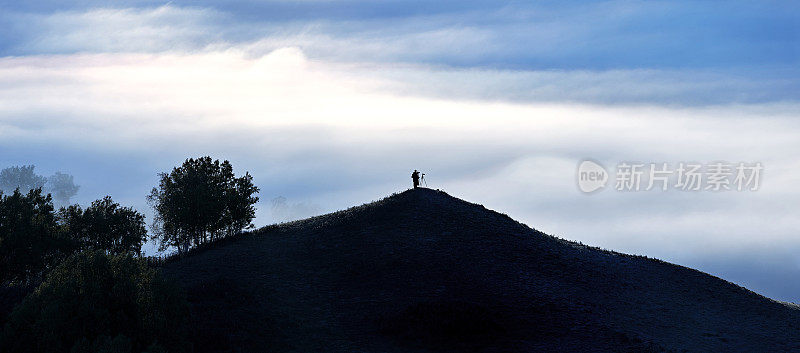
(94, 290)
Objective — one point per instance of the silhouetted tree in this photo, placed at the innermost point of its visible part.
(201, 201)
(105, 226)
(29, 237)
(240, 209)
(20, 177)
(62, 187)
(94, 302)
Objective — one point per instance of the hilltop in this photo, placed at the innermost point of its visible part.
(422, 271)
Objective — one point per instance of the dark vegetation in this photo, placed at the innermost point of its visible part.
(104, 226)
(30, 240)
(34, 237)
(73, 279)
(93, 302)
(201, 201)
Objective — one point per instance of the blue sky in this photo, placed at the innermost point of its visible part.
(333, 103)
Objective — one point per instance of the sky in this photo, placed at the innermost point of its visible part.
(330, 104)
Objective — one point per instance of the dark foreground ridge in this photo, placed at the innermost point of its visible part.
(422, 271)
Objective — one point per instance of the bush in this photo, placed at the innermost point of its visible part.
(100, 303)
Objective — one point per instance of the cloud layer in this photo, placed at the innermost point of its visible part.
(679, 53)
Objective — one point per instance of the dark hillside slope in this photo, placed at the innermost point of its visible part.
(424, 271)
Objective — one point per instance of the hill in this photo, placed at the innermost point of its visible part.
(422, 271)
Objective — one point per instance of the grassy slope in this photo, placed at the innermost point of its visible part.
(423, 271)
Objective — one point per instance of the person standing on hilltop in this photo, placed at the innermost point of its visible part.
(415, 178)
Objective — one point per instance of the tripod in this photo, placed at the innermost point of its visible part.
(423, 180)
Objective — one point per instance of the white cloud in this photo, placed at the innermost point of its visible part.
(312, 117)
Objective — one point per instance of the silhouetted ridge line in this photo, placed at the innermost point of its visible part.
(427, 272)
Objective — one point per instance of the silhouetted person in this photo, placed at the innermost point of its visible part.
(415, 178)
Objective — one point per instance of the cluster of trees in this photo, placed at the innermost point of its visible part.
(198, 202)
(34, 237)
(201, 201)
(95, 291)
(105, 226)
(60, 185)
